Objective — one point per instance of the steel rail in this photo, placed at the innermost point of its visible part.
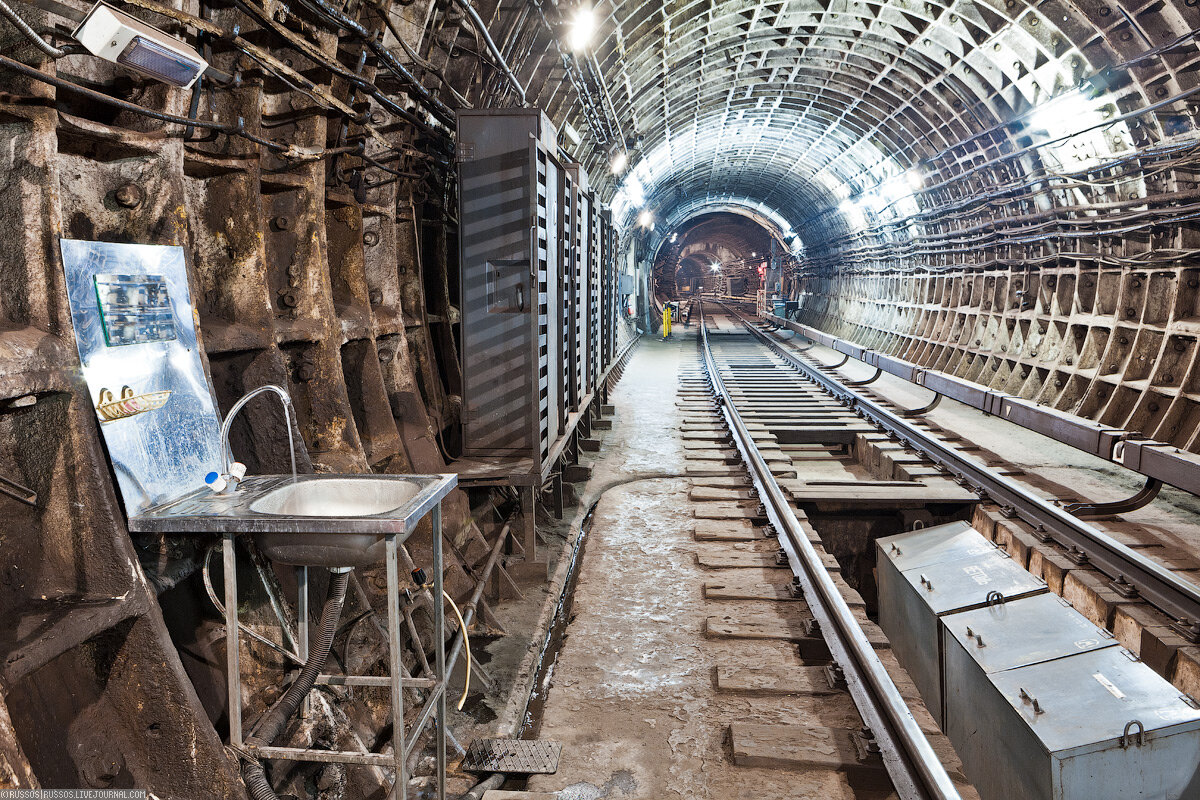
(1125, 448)
(915, 769)
(1157, 584)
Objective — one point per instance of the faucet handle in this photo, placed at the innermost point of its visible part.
(237, 470)
(216, 481)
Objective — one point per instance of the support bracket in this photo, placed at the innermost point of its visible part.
(925, 409)
(845, 358)
(865, 381)
(1139, 500)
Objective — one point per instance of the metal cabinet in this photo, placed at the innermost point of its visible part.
(1015, 634)
(1039, 703)
(610, 310)
(926, 574)
(510, 278)
(1092, 725)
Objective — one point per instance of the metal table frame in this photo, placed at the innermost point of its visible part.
(434, 706)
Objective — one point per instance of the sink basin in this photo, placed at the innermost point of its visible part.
(316, 521)
(336, 497)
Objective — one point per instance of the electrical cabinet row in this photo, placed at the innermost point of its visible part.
(538, 283)
(1037, 701)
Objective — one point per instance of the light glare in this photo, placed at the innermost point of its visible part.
(619, 162)
(583, 28)
(645, 218)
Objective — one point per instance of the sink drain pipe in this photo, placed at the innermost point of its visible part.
(273, 722)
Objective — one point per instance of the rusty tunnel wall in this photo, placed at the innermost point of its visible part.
(310, 267)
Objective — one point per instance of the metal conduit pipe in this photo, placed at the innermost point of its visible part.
(30, 34)
(466, 6)
(480, 789)
(468, 611)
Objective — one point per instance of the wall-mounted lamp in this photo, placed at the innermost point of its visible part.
(117, 37)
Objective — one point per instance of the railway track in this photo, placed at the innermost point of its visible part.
(785, 414)
(1155, 582)
(746, 377)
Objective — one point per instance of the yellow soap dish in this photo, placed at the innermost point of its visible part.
(130, 404)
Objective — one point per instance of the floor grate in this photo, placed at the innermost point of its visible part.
(515, 756)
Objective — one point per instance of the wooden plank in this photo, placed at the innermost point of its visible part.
(735, 587)
(790, 629)
(773, 679)
(719, 510)
(724, 483)
(707, 493)
(800, 747)
(715, 454)
(734, 530)
(735, 560)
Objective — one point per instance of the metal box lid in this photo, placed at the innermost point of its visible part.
(1024, 631)
(482, 131)
(921, 548)
(970, 581)
(1084, 702)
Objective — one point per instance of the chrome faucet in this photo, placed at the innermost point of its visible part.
(232, 471)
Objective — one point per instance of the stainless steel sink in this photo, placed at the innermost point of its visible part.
(315, 520)
(336, 497)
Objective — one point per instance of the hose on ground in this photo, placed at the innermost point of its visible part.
(277, 716)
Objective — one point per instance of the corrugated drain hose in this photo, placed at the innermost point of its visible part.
(277, 716)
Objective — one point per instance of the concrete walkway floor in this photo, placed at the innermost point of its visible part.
(633, 695)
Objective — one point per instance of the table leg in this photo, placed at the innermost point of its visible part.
(232, 667)
(439, 635)
(394, 620)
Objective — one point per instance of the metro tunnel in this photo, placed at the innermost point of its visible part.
(505, 399)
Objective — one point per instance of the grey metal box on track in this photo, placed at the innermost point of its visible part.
(1018, 633)
(925, 574)
(1067, 729)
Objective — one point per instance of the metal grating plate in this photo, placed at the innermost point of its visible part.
(517, 756)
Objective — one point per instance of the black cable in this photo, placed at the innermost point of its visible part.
(100, 97)
(439, 109)
(30, 34)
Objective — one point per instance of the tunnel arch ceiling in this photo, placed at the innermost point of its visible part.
(988, 188)
(804, 106)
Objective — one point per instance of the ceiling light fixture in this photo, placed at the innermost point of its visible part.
(619, 162)
(645, 218)
(583, 28)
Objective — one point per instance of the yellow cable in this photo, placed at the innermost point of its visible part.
(462, 626)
